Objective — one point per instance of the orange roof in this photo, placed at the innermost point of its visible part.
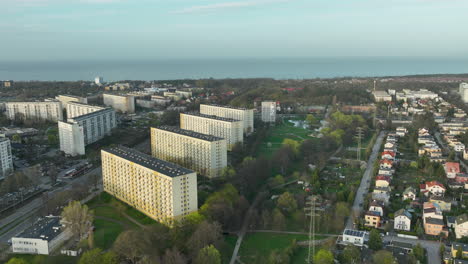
(453, 167)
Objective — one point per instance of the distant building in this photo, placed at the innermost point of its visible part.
(98, 80)
(161, 190)
(75, 109)
(269, 112)
(161, 100)
(205, 154)
(65, 99)
(382, 96)
(227, 128)
(43, 237)
(243, 114)
(6, 158)
(122, 103)
(6, 84)
(117, 87)
(50, 110)
(463, 91)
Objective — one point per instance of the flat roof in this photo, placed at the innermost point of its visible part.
(164, 167)
(188, 133)
(356, 233)
(98, 112)
(227, 106)
(212, 117)
(69, 95)
(46, 228)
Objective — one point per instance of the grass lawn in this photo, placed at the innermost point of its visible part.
(110, 212)
(228, 248)
(301, 256)
(262, 244)
(40, 259)
(106, 233)
(139, 216)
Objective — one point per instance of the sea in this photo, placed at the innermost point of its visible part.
(277, 68)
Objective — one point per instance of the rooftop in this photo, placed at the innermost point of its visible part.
(227, 106)
(46, 228)
(356, 233)
(99, 112)
(167, 168)
(211, 117)
(434, 221)
(456, 245)
(461, 219)
(189, 133)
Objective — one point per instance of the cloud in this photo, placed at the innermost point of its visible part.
(227, 5)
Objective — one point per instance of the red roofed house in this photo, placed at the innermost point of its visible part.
(390, 155)
(432, 187)
(386, 164)
(461, 178)
(451, 169)
(382, 181)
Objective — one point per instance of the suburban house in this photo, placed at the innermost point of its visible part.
(388, 172)
(355, 237)
(402, 220)
(451, 169)
(382, 181)
(401, 131)
(432, 187)
(386, 164)
(390, 155)
(457, 246)
(409, 193)
(372, 219)
(435, 226)
(461, 226)
(377, 206)
(384, 190)
(445, 203)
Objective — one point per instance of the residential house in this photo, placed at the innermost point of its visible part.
(372, 219)
(382, 181)
(409, 193)
(355, 237)
(435, 227)
(402, 220)
(432, 187)
(461, 226)
(457, 246)
(377, 206)
(386, 164)
(389, 155)
(451, 169)
(387, 172)
(401, 131)
(459, 147)
(445, 203)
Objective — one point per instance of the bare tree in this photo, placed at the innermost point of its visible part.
(77, 218)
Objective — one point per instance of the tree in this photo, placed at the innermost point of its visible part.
(375, 240)
(442, 250)
(311, 120)
(418, 252)
(383, 257)
(279, 221)
(206, 234)
(109, 258)
(208, 255)
(418, 228)
(293, 144)
(287, 203)
(351, 254)
(17, 261)
(52, 172)
(78, 219)
(459, 254)
(93, 256)
(323, 256)
(278, 257)
(131, 245)
(277, 180)
(173, 256)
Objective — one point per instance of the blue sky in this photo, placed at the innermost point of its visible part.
(152, 29)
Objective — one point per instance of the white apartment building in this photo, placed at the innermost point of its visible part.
(65, 99)
(382, 96)
(45, 236)
(50, 110)
(83, 130)
(463, 90)
(243, 114)
(269, 112)
(75, 109)
(162, 190)
(229, 129)
(205, 154)
(6, 158)
(98, 80)
(122, 103)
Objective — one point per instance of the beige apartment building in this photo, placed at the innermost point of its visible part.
(50, 110)
(162, 190)
(205, 154)
(65, 99)
(75, 109)
(229, 129)
(122, 103)
(243, 114)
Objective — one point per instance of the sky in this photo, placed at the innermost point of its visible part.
(35, 30)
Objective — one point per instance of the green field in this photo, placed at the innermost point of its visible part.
(106, 233)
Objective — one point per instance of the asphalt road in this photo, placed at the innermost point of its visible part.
(365, 182)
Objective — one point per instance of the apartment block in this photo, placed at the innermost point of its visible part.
(205, 154)
(65, 99)
(229, 129)
(50, 110)
(243, 114)
(85, 129)
(75, 109)
(162, 190)
(122, 103)
(6, 158)
(269, 112)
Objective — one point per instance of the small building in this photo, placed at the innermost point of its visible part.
(457, 246)
(355, 237)
(402, 220)
(372, 219)
(382, 181)
(41, 238)
(377, 206)
(451, 169)
(461, 226)
(445, 203)
(432, 187)
(409, 193)
(389, 155)
(435, 226)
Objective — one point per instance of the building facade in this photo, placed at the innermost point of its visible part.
(229, 129)
(205, 154)
(402, 220)
(162, 190)
(463, 90)
(269, 112)
(50, 110)
(461, 226)
(85, 129)
(65, 99)
(122, 103)
(6, 158)
(245, 115)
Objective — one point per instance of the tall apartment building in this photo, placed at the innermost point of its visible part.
(50, 110)
(246, 115)
(75, 109)
(202, 153)
(162, 190)
(227, 128)
(122, 103)
(463, 90)
(6, 158)
(65, 99)
(85, 129)
(269, 112)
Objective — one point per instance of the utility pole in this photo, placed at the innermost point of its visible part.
(311, 203)
(359, 134)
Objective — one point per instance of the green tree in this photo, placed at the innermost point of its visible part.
(375, 240)
(351, 254)
(383, 257)
(459, 254)
(277, 180)
(17, 261)
(109, 258)
(287, 203)
(418, 228)
(279, 221)
(208, 255)
(16, 138)
(131, 245)
(418, 252)
(293, 144)
(323, 256)
(78, 219)
(441, 250)
(93, 256)
(311, 120)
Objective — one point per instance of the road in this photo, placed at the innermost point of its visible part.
(432, 247)
(365, 182)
